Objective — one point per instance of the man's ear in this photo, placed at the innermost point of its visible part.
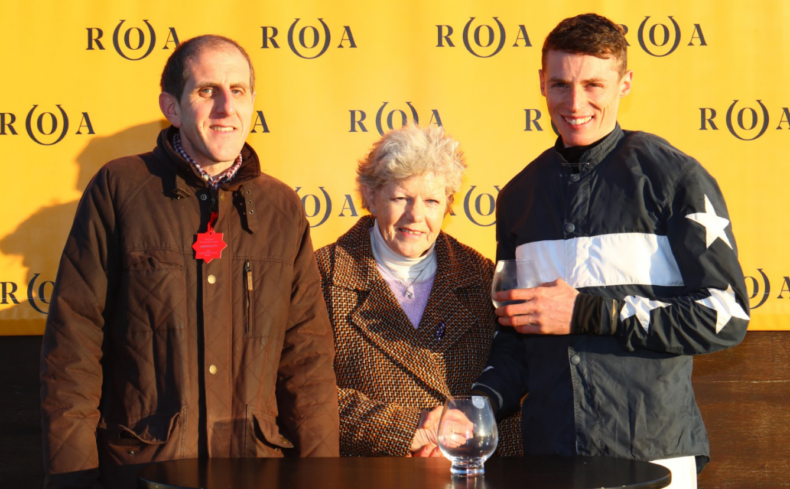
(542, 83)
(170, 108)
(625, 83)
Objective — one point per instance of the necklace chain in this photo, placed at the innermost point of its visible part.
(406, 285)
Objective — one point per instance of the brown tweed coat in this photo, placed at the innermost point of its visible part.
(387, 371)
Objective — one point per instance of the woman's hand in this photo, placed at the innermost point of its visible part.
(425, 442)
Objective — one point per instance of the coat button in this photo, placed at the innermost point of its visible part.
(575, 177)
(212, 369)
(251, 211)
(212, 279)
(576, 359)
(569, 227)
(203, 197)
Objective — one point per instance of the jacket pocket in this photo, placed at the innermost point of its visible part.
(263, 438)
(249, 302)
(149, 439)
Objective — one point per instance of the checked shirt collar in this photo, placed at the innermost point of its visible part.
(216, 180)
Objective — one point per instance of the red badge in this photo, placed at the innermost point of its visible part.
(209, 245)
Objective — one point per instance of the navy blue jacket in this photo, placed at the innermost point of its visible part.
(642, 231)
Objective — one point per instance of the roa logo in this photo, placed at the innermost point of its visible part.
(482, 40)
(307, 41)
(533, 122)
(480, 206)
(43, 127)
(661, 39)
(761, 289)
(744, 122)
(131, 42)
(318, 206)
(38, 293)
(390, 118)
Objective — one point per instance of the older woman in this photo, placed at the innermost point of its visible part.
(410, 305)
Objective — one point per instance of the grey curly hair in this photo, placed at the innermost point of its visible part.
(408, 152)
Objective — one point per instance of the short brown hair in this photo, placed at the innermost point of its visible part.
(176, 72)
(589, 34)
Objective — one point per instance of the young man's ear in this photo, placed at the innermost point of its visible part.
(542, 83)
(625, 83)
(170, 108)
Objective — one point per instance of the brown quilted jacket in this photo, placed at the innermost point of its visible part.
(122, 381)
(388, 371)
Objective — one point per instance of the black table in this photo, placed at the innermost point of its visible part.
(403, 473)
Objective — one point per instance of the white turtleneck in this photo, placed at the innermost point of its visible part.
(404, 269)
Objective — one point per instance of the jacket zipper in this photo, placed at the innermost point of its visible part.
(249, 287)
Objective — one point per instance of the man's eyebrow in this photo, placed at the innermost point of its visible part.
(556, 79)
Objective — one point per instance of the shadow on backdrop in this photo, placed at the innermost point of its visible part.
(40, 238)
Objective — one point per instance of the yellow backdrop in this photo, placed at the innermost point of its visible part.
(80, 87)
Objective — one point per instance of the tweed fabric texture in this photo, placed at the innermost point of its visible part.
(388, 371)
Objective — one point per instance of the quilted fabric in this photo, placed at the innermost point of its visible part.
(122, 378)
(388, 371)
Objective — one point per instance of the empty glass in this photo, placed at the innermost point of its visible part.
(513, 274)
(467, 434)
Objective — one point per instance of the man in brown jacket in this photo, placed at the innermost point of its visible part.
(187, 319)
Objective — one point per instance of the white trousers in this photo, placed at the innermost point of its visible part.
(684, 471)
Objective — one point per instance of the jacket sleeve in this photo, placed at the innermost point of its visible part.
(712, 313)
(369, 428)
(71, 372)
(306, 388)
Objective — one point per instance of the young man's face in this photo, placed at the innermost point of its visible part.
(582, 94)
(214, 114)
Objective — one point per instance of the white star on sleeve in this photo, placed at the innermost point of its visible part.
(713, 224)
(725, 305)
(640, 307)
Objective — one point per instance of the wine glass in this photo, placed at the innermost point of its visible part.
(467, 434)
(513, 274)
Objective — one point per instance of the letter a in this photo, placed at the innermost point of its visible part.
(350, 38)
(697, 34)
(522, 34)
(260, 120)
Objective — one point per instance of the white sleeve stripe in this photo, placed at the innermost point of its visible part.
(605, 260)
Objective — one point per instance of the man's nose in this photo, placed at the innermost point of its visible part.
(576, 99)
(224, 103)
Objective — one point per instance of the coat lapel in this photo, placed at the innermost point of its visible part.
(446, 319)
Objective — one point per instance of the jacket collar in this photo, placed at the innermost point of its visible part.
(354, 255)
(595, 155)
(186, 173)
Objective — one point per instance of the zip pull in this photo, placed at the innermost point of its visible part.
(248, 272)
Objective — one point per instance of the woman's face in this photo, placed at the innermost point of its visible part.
(410, 213)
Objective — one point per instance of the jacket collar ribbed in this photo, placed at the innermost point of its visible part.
(595, 155)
